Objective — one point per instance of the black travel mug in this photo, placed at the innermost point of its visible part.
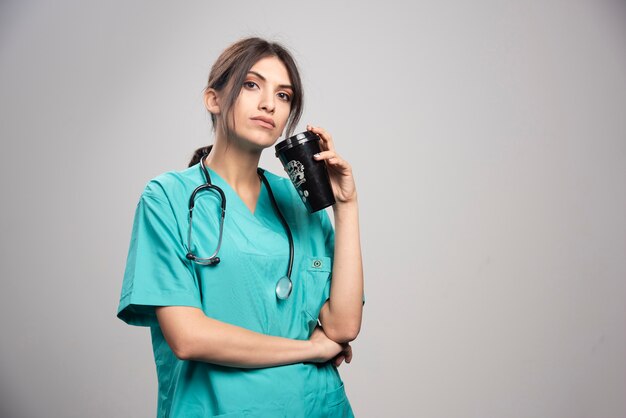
(309, 176)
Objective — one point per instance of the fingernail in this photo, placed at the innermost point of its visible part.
(316, 155)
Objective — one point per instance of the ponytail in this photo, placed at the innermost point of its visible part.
(199, 154)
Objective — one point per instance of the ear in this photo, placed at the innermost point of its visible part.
(211, 101)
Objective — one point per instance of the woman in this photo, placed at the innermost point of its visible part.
(225, 342)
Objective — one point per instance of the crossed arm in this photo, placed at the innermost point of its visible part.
(194, 336)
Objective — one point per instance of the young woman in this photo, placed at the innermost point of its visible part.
(226, 341)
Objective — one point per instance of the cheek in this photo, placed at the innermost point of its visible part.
(236, 113)
(284, 114)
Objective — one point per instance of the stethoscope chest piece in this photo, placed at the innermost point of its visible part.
(283, 288)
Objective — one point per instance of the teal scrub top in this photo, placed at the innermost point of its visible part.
(240, 290)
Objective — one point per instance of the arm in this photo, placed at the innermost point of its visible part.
(341, 315)
(193, 336)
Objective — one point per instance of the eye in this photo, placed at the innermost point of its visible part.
(284, 96)
(250, 84)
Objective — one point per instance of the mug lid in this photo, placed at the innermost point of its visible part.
(295, 140)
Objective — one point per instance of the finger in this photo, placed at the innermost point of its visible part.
(333, 159)
(338, 360)
(325, 155)
(326, 139)
(347, 352)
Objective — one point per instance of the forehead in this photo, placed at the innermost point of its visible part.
(272, 69)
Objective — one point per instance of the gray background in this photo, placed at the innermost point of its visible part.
(488, 141)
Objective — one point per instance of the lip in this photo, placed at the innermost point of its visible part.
(265, 121)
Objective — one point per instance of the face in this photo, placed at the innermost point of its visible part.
(262, 108)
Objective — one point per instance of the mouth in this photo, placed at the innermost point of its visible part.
(264, 122)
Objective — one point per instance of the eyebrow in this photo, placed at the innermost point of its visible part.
(282, 86)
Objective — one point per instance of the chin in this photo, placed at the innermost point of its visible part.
(256, 139)
(263, 140)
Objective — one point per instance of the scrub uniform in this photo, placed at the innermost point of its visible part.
(240, 290)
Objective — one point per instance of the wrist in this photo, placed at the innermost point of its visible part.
(313, 352)
(346, 204)
(348, 208)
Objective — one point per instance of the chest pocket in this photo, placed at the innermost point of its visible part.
(317, 284)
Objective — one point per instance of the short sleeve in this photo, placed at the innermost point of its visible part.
(157, 271)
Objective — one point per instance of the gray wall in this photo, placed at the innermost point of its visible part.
(488, 140)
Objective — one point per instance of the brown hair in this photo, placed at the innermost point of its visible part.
(230, 71)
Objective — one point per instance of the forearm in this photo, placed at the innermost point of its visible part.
(341, 315)
(194, 336)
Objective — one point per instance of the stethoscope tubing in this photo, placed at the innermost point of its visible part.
(214, 259)
(282, 219)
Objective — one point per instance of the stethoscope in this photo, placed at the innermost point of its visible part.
(284, 285)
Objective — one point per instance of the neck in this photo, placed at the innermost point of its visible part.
(238, 167)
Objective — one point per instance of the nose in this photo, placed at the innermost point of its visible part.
(267, 102)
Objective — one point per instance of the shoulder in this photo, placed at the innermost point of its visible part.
(173, 186)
